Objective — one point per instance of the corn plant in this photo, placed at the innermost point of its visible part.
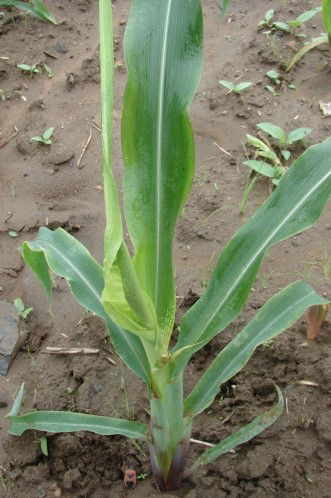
(135, 295)
(35, 7)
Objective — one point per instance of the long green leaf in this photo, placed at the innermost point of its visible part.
(225, 4)
(306, 48)
(258, 425)
(273, 318)
(326, 13)
(294, 206)
(68, 258)
(53, 421)
(38, 9)
(163, 45)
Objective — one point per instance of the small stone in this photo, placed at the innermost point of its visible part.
(12, 334)
(57, 492)
(213, 104)
(72, 81)
(191, 494)
(294, 242)
(61, 48)
(60, 157)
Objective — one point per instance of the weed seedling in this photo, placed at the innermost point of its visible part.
(45, 138)
(283, 140)
(266, 21)
(235, 88)
(34, 7)
(134, 292)
(19, 305)
(292, 26)
(33, 69)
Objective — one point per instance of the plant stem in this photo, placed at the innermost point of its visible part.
(170, 436)
(249, 186)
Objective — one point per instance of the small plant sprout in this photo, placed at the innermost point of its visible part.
(275, 77)
(19, 305)
(284, 141)
(34, 7)
(33, 69)
(36, 69)
(235, 88)
(291, 26)
(134, 291)
(45, 138)
(315, 42)
(266, 21)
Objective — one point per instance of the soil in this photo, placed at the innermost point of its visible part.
(49, 185)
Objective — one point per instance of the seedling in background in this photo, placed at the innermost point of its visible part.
(36, 69)
(266, 22)
(292, 26)
(275, 77)
(235, 88)
(315, 42)
(45, 138)
(284, 141)
(34, 7)
(267, 162)
(19, 305)
(136, 296)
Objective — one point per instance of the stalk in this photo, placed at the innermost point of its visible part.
(170, 436)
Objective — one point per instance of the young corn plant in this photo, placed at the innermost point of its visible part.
(135, 295)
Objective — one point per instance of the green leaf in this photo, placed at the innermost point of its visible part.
(12, 233)
(43, 445)
(225, 4)
(37, 139)
(292, 86)
(18, 303)
(261, 167)
(242, 86)
(282, 26)
(271, 90)
(326, 13)
(306, 48)
(57, 421)
(227, 84)
(243, 435)
(298, 134)
(286, 154)
(163, 51)
(68, 258)
(272, 74)
(48, 133)
(38, 9)
(305, 16)
(274, 131)
(293, 207)
(269, 15)
(256, 142)
(275, 316)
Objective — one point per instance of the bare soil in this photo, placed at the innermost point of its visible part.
(43, 185)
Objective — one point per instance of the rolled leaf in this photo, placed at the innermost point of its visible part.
(306, 48)
(245, 434)
(163, 45)
(315, 318)
(294, 206)
(274, 317)
(53, 421)
(66, 257)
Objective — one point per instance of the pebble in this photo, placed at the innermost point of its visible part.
(12, 334)
(61, 48)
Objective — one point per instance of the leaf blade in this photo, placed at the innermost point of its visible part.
(275, 316)
(243, 435)
(68, 258)
(294, 206)
(157, 178)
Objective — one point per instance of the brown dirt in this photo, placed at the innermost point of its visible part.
(43, 186)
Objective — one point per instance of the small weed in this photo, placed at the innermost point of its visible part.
(274, 76)
(292, 26)
(39, 68)
(235, 88)
(19, 305)
(266, 21)
(45, 138)
(271, 90)
(142, 476)
(12, 233)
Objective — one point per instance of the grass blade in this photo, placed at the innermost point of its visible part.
(38, 9)
(306, 48)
